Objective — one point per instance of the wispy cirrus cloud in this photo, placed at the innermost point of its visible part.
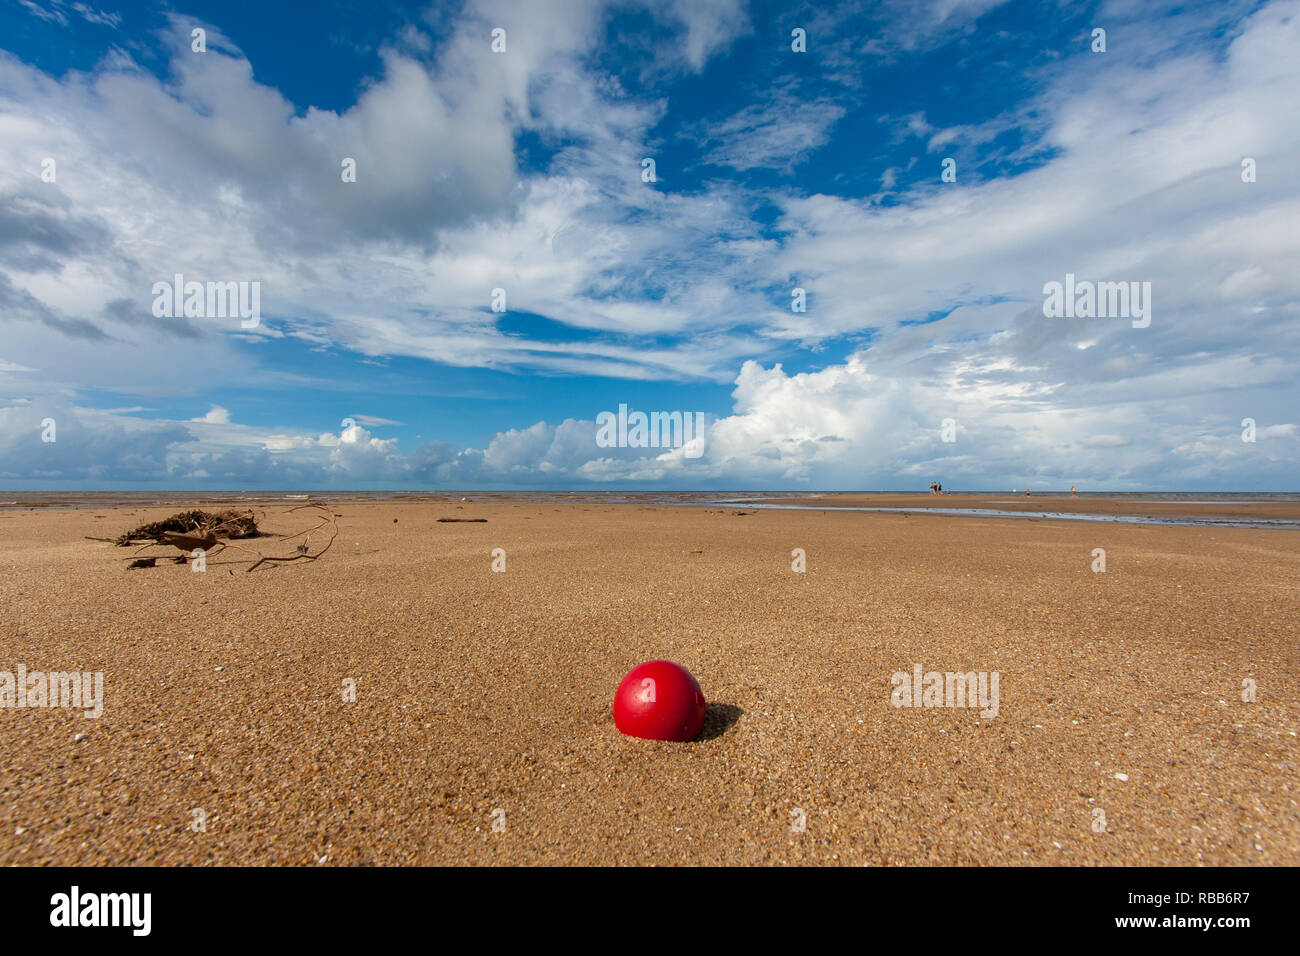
(779, 133)
(60, 12)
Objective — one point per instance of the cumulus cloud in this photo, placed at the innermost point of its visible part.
(866, 423)
(216, 415)
(86, 445)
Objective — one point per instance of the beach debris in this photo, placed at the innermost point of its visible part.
(659, 700)
(207, 533)
(228, 524)
(463, 520)
(189, 542)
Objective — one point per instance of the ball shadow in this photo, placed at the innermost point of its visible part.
(718, 719)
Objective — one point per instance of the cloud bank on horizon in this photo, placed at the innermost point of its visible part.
(476, 226)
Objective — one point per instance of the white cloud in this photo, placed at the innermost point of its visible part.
(403, 261)
(216, 415)
(56, 11)
(1134, 173)
(709, 27)
(779, 133)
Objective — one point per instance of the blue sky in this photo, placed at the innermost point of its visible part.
(521, 170)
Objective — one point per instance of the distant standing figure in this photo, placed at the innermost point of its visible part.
(939, 485)
(1074, 492)
(1026, 492)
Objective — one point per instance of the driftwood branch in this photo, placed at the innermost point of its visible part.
(328, 520)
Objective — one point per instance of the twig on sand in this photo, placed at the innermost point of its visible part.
(329, 520)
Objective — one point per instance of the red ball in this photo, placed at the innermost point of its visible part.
(659, 700)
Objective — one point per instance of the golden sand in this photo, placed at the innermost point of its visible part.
(478, 692)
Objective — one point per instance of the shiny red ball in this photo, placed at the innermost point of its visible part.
(659, 700)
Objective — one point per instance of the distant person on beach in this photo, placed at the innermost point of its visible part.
(939, 485)
(932, 484)
(1074, 492)
(1026, 492)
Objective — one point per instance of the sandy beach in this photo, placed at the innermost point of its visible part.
(484, 697)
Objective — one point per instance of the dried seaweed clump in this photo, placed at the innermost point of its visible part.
(227, 524)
